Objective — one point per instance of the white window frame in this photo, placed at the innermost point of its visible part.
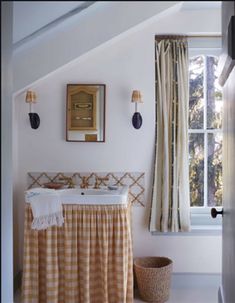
(200, 216)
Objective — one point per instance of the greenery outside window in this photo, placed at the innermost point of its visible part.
(205, 136)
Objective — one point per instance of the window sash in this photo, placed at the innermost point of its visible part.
(205, 209)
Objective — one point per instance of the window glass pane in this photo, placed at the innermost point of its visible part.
(196, 93)
(196, 169)
(214, 94)
(215, 169)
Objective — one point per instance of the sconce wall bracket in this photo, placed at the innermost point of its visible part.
(137, 120)
(34, 120)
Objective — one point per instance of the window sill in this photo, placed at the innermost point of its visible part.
(202, 224)
(210, 230)
(196, 230)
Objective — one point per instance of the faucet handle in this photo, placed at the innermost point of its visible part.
(103, 178)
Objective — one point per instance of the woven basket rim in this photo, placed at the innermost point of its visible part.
(170, 262)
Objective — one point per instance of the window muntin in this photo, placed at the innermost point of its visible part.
(205, 132)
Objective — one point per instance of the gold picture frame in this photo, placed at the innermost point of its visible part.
(85, 112)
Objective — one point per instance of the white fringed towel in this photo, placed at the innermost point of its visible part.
(46, 207)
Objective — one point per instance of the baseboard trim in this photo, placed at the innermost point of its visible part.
(17, 280)
(189, 280)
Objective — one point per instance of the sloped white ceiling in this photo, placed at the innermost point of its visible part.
(61, 44)
(31, 16)
(56, 44)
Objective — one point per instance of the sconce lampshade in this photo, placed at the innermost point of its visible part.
(136, 96)
(30, 97)
(137, 118)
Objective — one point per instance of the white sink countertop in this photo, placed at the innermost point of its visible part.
(91, 196)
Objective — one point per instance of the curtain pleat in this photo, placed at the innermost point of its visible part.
(170, 210)
(87, 260)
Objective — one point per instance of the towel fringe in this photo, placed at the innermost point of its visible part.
(44, 222)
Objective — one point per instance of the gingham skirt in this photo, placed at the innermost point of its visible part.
(87, 260)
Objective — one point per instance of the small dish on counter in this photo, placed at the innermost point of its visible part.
(112, 187)
(53, 185)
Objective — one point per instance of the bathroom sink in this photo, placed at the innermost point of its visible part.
(94, 196)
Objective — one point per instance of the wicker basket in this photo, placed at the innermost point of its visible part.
(153, 277)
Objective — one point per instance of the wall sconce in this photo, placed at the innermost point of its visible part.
(33, 117)
(137, 118)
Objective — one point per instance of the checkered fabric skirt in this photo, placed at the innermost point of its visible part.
(87, 260)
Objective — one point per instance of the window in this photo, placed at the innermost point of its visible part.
(205, 133)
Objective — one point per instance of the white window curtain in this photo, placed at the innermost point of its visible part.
(170, 210)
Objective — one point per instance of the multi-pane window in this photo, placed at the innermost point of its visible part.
(205, 132)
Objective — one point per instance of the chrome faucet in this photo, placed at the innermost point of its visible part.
(85, 182)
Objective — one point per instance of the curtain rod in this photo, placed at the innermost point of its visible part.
(204, 36)
(160, 37)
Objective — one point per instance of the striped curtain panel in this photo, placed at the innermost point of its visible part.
(170, 211)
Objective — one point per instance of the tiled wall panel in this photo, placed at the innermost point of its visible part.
(135, 181)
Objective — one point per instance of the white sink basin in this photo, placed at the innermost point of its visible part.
(94, 196)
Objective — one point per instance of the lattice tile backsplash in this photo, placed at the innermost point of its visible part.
(135, 180)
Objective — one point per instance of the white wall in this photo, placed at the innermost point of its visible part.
(6, 154)
(123, 65)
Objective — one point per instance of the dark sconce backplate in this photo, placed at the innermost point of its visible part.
(137, 120)
(34, 120)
